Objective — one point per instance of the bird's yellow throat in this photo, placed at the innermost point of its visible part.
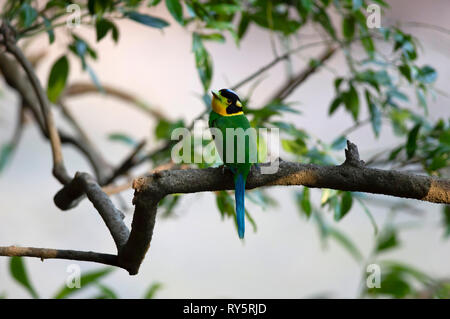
(221, 108)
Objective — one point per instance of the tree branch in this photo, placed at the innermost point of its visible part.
(83, 183)
(59, 170)
(287, 88)
(81, 88)
(276, 60)
(128, 163)
(19, 81)
(47, 253)
(352, 175)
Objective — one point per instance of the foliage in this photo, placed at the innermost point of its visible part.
(380, 80)
(89, 279)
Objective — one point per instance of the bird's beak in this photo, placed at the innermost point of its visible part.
(215, 94)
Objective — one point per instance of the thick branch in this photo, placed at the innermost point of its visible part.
(46, 253)
(352, 175)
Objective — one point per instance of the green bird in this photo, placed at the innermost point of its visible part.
(227, 113)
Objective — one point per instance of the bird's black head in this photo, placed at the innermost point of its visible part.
(226, 102)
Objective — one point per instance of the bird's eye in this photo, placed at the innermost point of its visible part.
(228, 101)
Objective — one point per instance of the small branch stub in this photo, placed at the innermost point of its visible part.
(352, 155)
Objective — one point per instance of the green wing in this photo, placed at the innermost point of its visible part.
(237, 121)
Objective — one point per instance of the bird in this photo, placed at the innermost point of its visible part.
(227, 112)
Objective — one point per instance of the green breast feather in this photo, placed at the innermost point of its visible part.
(234, 122)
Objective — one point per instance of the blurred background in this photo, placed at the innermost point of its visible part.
(196, 253)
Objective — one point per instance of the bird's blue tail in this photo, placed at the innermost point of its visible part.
(239, 195)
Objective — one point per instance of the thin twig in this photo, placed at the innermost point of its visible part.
(81, 88)
(127, 164)
(287, 88)
(48, 253)
(276, 60)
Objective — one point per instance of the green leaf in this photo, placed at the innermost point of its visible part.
(427, 75)
(203, 61)
(176, 10)
(346, 242)
(27, 15)
(392, 284)
(224, 8)
(152, 290)
(275, 22)
(411, 144)
(80, 48)
(296, 146)
(102, 27)
(321, 16)
(387, 240)
(225, 204)
(348, 27)
(375, 114)
(369, 214)
(121, 137)
(153, 3)
(213, 37)
(94, 78)
(394, 266)
(107, 293)
(394, 153)
(5, 154)
(163, 129)
(147, 19)
(339, 143)
(57, 78)
(351, 101)
(345, 206)
(243, 25)
(86, 280)
(405, 70)
(50, 31)
(99, 7)
(251, 220)
(397, 280)
(335, 105)
(421, 98)
(303, 199)
(368, 44)
(19, 273)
